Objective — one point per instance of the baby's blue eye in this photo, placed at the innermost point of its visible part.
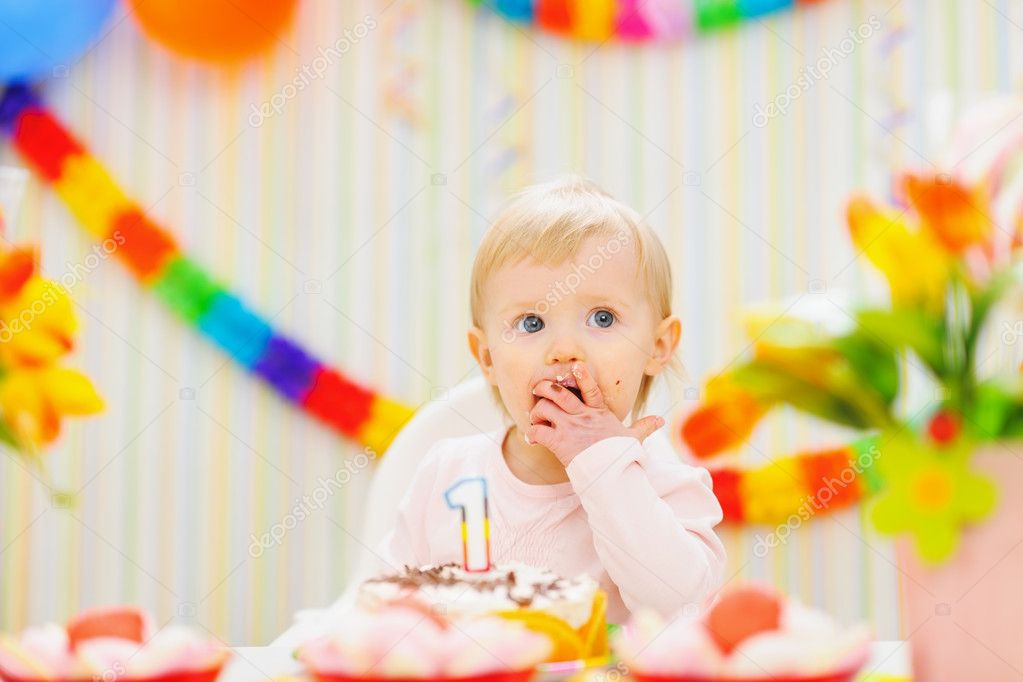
(529, 324)
(601, 318)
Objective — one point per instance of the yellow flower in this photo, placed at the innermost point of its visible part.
(37, 321)
(37, 324)
(914, 262)
(33, 399)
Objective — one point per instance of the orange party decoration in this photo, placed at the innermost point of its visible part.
(724, 420)
(223, 31)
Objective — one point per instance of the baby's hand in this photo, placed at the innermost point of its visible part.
(566, 426)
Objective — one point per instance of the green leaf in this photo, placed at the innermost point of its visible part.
(867, 450)
(772, 384)
(876, 363)
(984, 299)
(992, 406)
(907, 330)
(8, 438)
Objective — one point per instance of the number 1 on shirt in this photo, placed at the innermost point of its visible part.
(470, 495)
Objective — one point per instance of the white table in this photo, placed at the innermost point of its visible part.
(260, 664)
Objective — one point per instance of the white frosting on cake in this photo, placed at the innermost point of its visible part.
(455, 592)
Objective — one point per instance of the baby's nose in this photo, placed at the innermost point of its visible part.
(564, 353)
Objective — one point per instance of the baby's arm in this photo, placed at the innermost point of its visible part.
(653, 524)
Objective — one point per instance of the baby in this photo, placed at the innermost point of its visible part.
(571, 313)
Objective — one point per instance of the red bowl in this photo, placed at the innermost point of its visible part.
(843, 676)
(189, 676)
(505, 676)
(851, 666)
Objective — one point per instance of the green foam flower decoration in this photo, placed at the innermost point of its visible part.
(930, 492)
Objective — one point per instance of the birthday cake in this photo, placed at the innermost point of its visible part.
(570, 611)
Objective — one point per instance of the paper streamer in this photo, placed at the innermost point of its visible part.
(635, 20)
(154, 257)
(798, 487)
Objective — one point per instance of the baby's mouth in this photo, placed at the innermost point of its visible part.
(568, 381)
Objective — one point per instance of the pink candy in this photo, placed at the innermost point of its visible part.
(45, 653)
(398, 641)
(804, 643)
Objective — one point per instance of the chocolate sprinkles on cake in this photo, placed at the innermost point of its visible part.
(447, 575)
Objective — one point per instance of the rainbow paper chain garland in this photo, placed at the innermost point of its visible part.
(798, 487)
(634, 20)
(156, 260)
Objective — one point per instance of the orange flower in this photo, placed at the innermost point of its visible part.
(15, 268)
(953, 213)
(726, 418)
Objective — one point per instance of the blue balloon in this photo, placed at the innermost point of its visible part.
(38, 36)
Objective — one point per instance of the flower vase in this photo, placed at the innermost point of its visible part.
(963, 618)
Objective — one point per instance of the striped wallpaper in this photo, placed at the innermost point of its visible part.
(348, 210)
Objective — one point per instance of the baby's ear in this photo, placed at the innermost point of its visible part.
(481, 351)
(666, 338)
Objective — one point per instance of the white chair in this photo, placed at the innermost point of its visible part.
(467, 409)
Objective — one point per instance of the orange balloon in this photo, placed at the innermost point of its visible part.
(214, 30)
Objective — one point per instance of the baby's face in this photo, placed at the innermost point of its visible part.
(594, 308)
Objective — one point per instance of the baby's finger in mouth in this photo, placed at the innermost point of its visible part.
(563, 397)
(587, 385)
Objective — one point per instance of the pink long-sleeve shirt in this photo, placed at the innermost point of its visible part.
(639, 522)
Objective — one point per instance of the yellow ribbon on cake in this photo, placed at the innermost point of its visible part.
(570, 644)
